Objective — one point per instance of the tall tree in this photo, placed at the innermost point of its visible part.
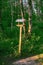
(27, 4)
(30, 16)
(37, 8)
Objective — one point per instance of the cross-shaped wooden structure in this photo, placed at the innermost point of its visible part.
(20, 25)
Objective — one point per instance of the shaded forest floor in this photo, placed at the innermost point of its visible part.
(26, 61)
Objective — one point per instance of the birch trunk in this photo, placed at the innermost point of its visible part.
(30, 16)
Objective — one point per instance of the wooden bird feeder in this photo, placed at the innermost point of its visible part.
(20, 25)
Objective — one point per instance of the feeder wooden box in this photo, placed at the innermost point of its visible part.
(20, 21)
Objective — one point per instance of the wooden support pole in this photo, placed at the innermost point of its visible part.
(20, 38)
(22, 26)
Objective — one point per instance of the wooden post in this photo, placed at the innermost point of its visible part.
(20, 36)
(20, 39)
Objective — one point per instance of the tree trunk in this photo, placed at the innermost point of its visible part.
(30, 16)
(11, 4)
(0, 16)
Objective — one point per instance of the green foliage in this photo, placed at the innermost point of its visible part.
(9, 39)
(30, 46)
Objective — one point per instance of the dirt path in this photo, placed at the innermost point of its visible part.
(34, 60)
(28, 63)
